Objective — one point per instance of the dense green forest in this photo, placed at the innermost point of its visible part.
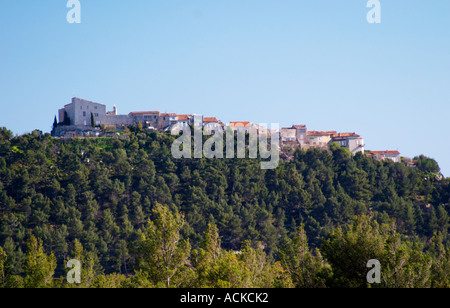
(136, 217)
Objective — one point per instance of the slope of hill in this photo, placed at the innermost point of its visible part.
(109, 201)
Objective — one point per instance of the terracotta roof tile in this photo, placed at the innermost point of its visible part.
(210, 120)
(385, 152)
(316, 133)
(298, 126)
(145, 112)
(183, 117)
(344, 135)
(240, 124)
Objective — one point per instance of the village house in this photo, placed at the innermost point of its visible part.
(300, 136)
(185, 120)
(382, 155)
(297, 134)
(166, 120)
(352, 141)
(318, 139)
(409, 162)
(211, 124)
(75, 120)
(288, 135)
(150, 118)
(238, 127)
(301, 133)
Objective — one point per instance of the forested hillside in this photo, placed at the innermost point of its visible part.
(136, 217)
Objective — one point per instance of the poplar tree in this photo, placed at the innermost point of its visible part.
(160, 251)
(3, 260)
(39, 267)
(306, 269)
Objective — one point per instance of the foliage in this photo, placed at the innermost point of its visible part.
(160, 253)
(126, 207)
(39, 268)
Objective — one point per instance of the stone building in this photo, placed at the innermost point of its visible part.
(288, 135)
(150, 118)
(75, 120)
(78, 113)
(318, 139)
(296, 134)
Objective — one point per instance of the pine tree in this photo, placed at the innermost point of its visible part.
(348, 252)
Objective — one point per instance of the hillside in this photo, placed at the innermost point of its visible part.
(111, 202)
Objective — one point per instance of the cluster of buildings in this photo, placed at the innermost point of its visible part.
(298, 135)
(76, 119)
(83, 118)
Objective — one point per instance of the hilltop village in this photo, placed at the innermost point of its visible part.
(83, 118)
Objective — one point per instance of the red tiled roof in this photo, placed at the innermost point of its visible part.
(145, 112)
(385, 152)
(343, 135)
(183, 117)
(168, 115)
(240, 124)
(316, 133)
(299, 126)
(210, 120)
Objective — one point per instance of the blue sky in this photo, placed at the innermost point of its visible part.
(315, 62)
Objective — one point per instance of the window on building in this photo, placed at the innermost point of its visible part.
(96, 114)
(84, 113)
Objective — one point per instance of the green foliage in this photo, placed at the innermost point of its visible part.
(160, 253)
(55, 123)
(39, 267)
(403, 265)
(242, 223)
(306, 269)
(426, 164)
(3, 267)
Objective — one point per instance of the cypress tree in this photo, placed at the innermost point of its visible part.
(55, 123)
